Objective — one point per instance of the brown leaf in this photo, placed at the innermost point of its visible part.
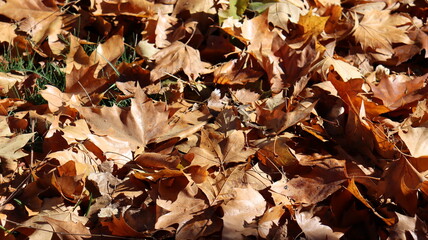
(140, 124)
(353, 189)
(137, 8)
(277, 120)
(396, 91)
(39, 20)
(188, 203)
(234, 72)
(281, 13)
(379, 29)
(212, 152)
(407, 181)
(107, 53)
(83, 83)
(119, 227)
(176, 57)
(269, 220)
(311, 27)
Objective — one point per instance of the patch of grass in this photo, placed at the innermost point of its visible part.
(49, 72)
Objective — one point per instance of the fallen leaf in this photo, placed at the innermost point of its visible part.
(416, 140)
(67, 230)
(176, 57)
(240, 213)
(11, 144)
(313, 228)
(218, 153)
(143, 122)
(378, 30)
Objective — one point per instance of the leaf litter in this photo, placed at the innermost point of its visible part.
(214, 119)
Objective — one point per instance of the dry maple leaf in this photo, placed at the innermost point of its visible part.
(176, 57)
(38, 20)
(57, 213)
(163, 28)
(143, 122)
(236, 72)
(119, 227)
(269, 220)
(7, 32)
(76, 57)
(104, 56)
(378, 30)
(345, 70)
(312, 27)
(408, 225)
(7, 81)
(397, 90)
(278, 120)
(107, 53)
(212, 152)
(82, 82)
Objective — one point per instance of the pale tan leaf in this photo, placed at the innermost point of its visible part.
(416, 140)
(11, 145)
(314, 229)
(107, 53)
(378, 30)
(38, 19)
(241, 212)
(67, 230)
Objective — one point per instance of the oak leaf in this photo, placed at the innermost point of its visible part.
(67, 230)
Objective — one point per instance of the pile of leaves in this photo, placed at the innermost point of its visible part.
(214, 119)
